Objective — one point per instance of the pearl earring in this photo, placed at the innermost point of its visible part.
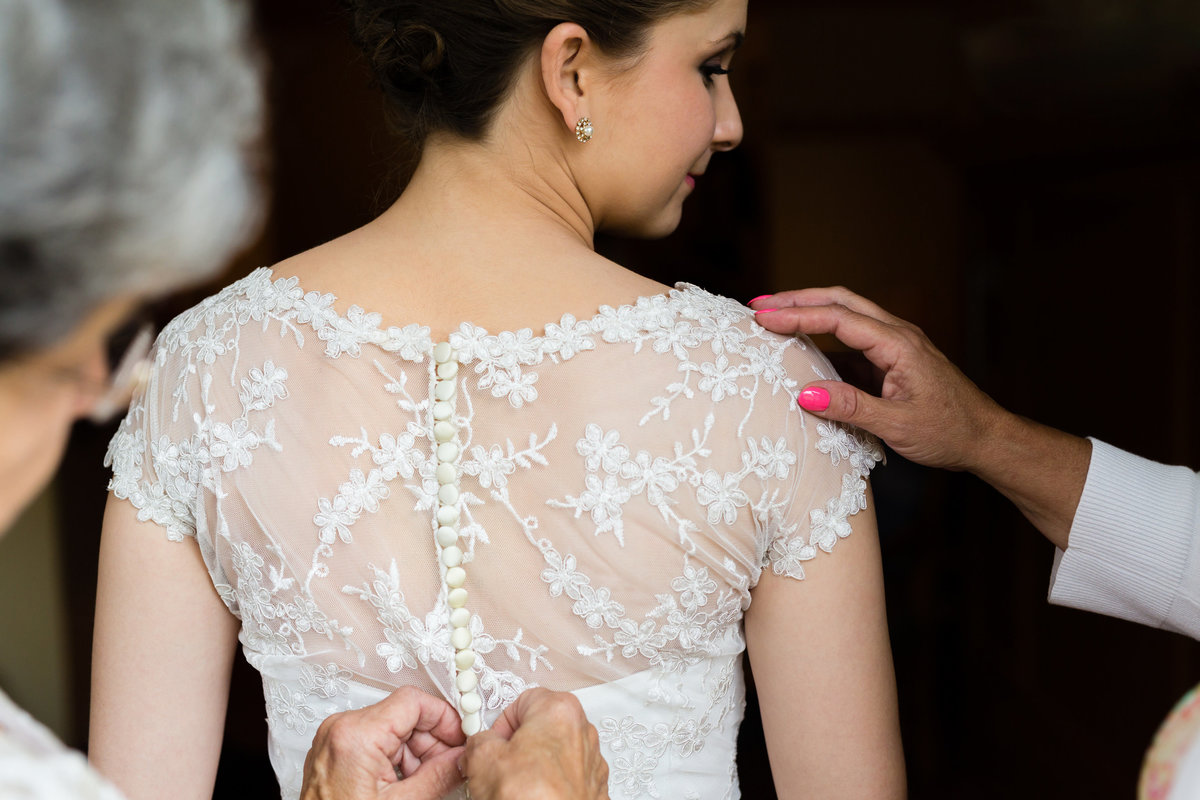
(583, 130)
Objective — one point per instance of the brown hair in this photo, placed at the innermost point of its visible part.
(446, 65)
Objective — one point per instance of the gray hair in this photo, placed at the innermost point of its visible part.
(126, 154)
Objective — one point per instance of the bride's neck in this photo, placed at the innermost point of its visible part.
(493, 195)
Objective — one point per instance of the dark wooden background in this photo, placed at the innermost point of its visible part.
(1019, 177)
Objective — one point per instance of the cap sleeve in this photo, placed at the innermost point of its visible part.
(828, 485)
(158, 454)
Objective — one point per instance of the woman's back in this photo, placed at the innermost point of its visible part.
(623, 480)
(580, 489)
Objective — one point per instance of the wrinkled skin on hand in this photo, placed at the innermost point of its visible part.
(365, 753)
(927, 411)
(541, 748)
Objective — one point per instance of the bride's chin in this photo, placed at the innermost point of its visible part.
(658, 227)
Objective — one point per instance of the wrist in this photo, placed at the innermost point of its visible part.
(1040, 469)
(997, 437)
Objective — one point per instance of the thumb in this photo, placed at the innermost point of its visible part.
(842, 402)
(436, 777)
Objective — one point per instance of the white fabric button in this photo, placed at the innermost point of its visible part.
(452, 557)
(455, 576)
(464, 658)
(447, 474)
(466, 681)
(471, 702)
(460, 638)
(443, 431)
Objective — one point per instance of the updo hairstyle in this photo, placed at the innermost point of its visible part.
(447, 65)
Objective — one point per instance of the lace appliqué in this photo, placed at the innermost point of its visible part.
(687, 638)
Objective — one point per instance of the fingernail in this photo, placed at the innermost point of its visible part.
(814, 398)
(765, 310)
(760, 297)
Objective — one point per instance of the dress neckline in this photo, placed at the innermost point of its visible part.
(640, 303)
(345, 330)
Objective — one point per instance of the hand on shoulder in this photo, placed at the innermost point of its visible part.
(928, 411)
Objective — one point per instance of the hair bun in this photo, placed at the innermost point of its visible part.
(448, 65)
(420, 46)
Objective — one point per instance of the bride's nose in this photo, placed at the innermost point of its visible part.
(728, 133)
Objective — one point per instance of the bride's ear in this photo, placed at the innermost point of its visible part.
(569, 62)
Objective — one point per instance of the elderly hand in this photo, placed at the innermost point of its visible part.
(928, 411)
(541, 748)
(364, 753)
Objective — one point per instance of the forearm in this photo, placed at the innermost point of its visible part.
(1040, 469)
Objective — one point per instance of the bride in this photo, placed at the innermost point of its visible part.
(456, 449)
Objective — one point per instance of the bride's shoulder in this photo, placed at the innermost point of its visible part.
(732, 329)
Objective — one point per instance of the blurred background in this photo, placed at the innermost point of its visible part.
(1021, 178)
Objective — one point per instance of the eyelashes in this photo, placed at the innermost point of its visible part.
(710, 71)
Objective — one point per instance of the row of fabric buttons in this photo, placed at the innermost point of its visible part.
(445, 433)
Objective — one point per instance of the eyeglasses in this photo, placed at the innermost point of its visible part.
(128, 353)
(127, 363)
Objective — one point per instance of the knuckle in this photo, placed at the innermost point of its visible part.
(340, 733)
(565, 706)
(849, 407)
(329, 724)
(406, 693)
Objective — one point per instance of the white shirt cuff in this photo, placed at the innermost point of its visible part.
(1133, 547)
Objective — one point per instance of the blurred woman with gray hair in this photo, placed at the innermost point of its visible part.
(125, 171)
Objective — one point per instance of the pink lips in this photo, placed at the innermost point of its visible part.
(691, 182)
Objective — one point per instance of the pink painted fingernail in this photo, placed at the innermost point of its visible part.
(765, 310)
(814, 398)
(760, 297)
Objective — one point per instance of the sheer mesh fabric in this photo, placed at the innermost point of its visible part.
(625, 480)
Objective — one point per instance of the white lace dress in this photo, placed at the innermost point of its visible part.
(625, 480)
(34, 765)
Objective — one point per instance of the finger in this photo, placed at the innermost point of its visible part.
(481, 749)
(436, 777)
(831, 295)
(507, 723)
(423, 744)
(517, 712)
(410, 710)
(844, 403)
(762, 301)
(880, 342)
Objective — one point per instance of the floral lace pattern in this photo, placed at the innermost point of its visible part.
(614, 527)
